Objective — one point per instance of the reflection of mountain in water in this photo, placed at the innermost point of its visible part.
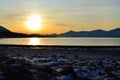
(95, 33)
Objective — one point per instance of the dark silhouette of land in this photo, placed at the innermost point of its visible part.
(94, 33)
(5, 33)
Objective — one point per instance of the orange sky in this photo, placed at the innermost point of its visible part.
(60, 16)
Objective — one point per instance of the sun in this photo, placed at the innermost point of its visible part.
(34, 22)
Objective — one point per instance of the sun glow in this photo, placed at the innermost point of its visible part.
(34, 41)
(34, 22)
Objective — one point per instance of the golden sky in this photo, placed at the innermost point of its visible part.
(59, 16)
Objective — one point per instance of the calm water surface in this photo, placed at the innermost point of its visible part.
(62, 41)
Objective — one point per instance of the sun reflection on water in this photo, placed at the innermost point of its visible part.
(34, 41)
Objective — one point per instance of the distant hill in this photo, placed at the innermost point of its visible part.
(94, 33)
(4, 30)
(5, 33)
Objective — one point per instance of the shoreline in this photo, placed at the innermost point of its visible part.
(79, 50)
(14, 45)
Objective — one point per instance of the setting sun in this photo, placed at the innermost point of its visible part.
(34, 22)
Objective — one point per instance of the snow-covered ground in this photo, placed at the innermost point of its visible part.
(67, 66)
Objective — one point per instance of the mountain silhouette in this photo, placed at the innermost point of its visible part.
(4, 30)
(5, 33)
(115, 31)
(94, 33)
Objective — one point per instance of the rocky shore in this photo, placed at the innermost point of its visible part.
(63, 65)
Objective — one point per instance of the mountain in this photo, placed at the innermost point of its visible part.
(5, 33)
(115, 31)
(4, 30)
(94, 33)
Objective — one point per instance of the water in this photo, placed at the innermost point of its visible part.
(62, 41)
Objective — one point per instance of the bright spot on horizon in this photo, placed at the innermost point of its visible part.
(34, 22)
(34, 41)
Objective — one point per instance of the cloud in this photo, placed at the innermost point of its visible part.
(63, 25)
(17, 16)
(66, 25)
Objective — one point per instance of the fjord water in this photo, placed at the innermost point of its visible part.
(74, 41)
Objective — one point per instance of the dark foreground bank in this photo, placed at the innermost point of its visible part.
(59, 62)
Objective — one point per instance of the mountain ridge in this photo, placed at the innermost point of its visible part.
(94, 33)
(5, 33)
(4, 30)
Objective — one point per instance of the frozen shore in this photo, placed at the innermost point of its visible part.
(59, 63)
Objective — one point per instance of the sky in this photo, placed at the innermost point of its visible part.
(60, 16)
